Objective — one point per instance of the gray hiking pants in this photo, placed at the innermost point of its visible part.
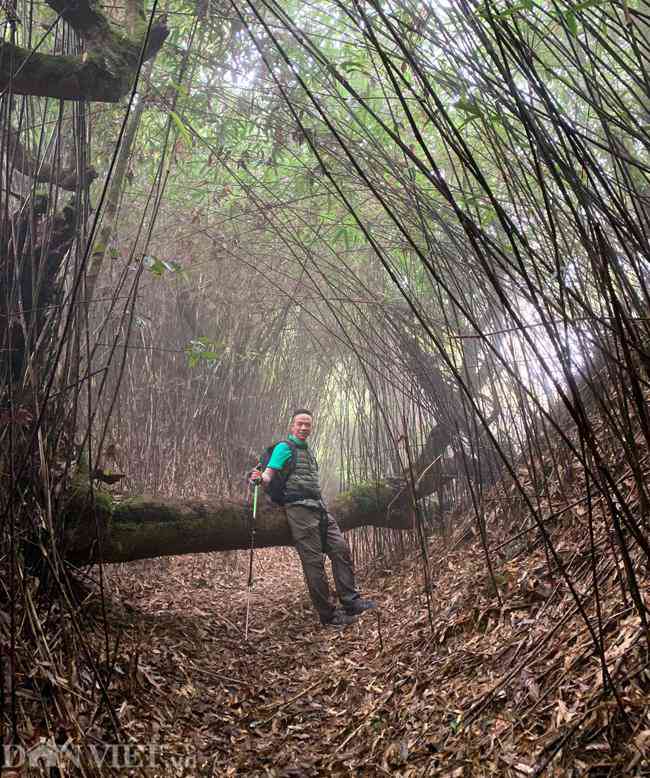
(305, 530)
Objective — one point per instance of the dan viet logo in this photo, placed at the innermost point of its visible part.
(47, 754)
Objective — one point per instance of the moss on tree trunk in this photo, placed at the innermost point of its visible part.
(143, 527)
(103, 73)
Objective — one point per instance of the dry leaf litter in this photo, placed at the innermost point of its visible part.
(497, 681)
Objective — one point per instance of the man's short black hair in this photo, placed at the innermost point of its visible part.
(301, 410)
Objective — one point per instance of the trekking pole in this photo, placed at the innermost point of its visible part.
(250, 564)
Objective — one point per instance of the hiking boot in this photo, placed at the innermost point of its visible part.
(337, 619)
(360, 606)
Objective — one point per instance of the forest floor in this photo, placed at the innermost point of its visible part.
(487, 684)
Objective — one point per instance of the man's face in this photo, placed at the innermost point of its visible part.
(301, 426)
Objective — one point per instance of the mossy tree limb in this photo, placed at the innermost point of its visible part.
(103, 73)
(143, 527)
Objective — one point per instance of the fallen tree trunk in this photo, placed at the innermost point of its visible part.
(142, 528)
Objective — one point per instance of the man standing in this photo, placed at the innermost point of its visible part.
(314, 531)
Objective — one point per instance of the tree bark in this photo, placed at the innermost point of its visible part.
(22, 160)
(109, 215)
(29, 283)
(147, 527)
(103, 73)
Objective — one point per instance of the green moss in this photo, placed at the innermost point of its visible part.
(104, 75)
(82, 503)
(103, 502)
(366, 497)
(147, 509)
(133, 503)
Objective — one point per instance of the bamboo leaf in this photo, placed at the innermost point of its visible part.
(571, 21)
(524, 5)
(588, 4)
(469, 106)
(182, 129)
(154, 265)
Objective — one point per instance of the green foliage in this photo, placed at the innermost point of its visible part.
(159, 267)
(181, 128)
(488, 10)
(204, 351)
(456, 153)
(456, 723)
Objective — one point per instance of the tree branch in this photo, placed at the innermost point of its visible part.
(103, 73)
(22, 161)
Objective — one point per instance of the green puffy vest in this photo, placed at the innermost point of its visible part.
(303, 483)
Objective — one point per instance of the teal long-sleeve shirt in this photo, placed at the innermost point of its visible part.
(282, 452)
